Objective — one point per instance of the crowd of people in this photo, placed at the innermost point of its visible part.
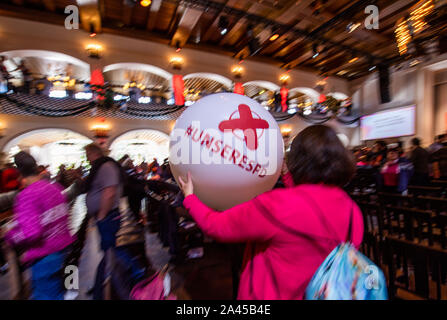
(395, 168)
(39, 228)
(289, 230)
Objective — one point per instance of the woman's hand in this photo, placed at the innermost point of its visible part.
(186, 186)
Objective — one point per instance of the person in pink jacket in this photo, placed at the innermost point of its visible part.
(41, 230)
(288, 232)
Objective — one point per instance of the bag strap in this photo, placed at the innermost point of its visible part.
(350, 236)
(317, 208)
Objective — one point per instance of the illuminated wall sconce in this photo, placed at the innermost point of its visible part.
(284, 78)
(101, 129)
(176, 62)
(237, 71)
(94, 50)
(286, 131)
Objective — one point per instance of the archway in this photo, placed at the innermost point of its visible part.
(198, 85)
(50, 147)
(138, 80)
(261, 91)
(338, 95)
(45, 72)
(310, 93)
(141, 145)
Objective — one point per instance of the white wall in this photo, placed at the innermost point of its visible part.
(441, 103)
(410, 86)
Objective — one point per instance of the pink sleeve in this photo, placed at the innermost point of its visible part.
(241, 223)
(288, 180)
(27, 218)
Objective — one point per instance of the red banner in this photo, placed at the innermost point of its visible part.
(97, 84)
(238, 88)
(179, 88)
(322, 98)
(284, 92)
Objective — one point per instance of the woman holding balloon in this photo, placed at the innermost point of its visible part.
(289, 232)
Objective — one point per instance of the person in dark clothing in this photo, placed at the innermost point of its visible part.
(62, 177)
(133, 188)
(377, 157)
(4, 73)
(437, 144)
(420, 159)
(440, 158)
(27, 77)
(104, 187)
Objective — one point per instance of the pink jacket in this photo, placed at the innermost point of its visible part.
(41, 218)
(286, 238)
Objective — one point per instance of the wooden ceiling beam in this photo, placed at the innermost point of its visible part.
(241, 24)
(50, 5)
(8, 10)
(127, 12)
(287, 13)
(301, 56)
(306, 14)
(211, 29)
(89, 14)
(288, 38)
(187, 22)
(346, 65)
(176, 16)
(153, 14)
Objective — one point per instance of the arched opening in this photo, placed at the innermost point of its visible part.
(338, 95)
(261, 91)
(141, 145)
(198, 85)
(309, 93)
(45, 70)
(302, 98)
(138, 80)
(50, 147)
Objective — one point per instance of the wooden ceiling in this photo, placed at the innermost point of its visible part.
(303, 25)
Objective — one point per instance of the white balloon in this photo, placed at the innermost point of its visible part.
(228, 165)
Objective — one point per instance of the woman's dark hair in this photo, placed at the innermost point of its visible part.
(26, 164)
(318, 156)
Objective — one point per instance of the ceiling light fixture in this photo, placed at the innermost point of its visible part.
(352, 27)
(275, 33)
(145, 3)
(315, 51)
(223, 25)
(274, 37)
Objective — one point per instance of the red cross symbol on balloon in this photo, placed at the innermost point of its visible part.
(247, 124)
